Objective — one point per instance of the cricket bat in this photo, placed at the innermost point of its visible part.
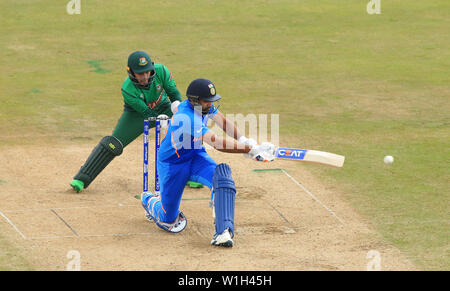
(311, 156)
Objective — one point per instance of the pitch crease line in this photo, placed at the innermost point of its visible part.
(64, 222)
(12, 224)
(313, 197)
(68, 208)
(91, 235)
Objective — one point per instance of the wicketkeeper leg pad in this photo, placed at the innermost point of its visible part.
(224, 198)
(107, 149)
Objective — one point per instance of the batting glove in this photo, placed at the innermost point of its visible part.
(248, 142)
(263, 153)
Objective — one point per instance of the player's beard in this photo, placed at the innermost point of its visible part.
(206, 110)
(146, 82)
(143, 82)
(137, 82)
(199, 109)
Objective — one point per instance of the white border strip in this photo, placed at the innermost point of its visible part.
(12, 224)
(89, 235)
(68, 208)
(313, 197)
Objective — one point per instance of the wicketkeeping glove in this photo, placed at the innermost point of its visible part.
(174, 106)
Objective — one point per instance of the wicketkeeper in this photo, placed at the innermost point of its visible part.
(148, 91)
(182, 157)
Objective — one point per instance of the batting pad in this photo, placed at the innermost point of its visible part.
(224, 197)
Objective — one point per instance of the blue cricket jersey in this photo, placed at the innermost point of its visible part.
(184, 134)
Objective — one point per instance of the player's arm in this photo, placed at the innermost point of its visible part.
(262, 153)
(170, 86)
(227, 126)
(225, 145)
(136, 103)
(231, 129)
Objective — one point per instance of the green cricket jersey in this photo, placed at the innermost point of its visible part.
(156, 99)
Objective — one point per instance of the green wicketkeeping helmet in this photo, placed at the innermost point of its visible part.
(139, 62)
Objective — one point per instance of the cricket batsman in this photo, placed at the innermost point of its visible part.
(182, 157)
(148, 91)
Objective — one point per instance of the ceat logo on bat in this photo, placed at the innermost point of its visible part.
(296, 154)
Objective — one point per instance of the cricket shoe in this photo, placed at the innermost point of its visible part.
(77, 185)
(193, 184)
(148, 198)
(225, 239)
(149, 201)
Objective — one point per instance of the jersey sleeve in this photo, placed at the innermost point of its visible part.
(170, 86)
(191, 125)
(198, 127)
(131, 98)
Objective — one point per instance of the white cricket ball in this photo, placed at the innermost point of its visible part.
(388, 160)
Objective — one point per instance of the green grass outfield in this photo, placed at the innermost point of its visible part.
(342, 80)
